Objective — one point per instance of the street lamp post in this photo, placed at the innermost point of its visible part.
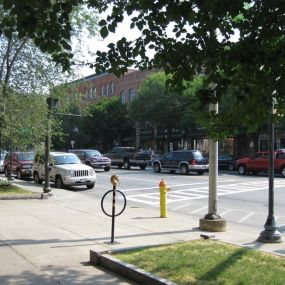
(212, 221)
(47, 188)
(270, 234)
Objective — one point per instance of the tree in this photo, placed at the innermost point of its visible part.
(200, 38)
(26, 70)
(107, 124)
(164, 108)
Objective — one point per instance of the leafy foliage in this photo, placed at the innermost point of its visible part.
(108, 122)
(164, 107)
(238, 44)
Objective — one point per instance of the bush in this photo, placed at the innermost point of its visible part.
(5, 183)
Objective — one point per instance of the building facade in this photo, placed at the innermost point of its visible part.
(96, 87)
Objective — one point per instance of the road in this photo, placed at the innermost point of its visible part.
(241, 199)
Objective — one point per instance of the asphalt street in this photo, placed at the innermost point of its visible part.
(241, 199)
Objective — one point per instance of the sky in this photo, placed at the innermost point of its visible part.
(94, 44)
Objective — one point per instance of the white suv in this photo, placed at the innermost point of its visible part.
(66, 169)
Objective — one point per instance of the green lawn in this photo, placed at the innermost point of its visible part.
(7, 189)
(209, 262)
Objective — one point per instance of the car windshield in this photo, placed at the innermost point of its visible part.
(92, 153)
(66, 159)
(26, 156)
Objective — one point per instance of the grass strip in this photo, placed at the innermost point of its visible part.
(208, 262)
(8, 190)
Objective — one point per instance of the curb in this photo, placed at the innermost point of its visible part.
(42, 196)
(107, 261)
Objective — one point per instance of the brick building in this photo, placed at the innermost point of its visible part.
(95, 87)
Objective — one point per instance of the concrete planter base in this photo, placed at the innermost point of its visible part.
(216, 225)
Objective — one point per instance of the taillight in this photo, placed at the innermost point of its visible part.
(193, 162)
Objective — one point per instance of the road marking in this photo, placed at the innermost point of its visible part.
(246, 217)
(225, 212)
(199, 210)
(178, 195)
(182, 206)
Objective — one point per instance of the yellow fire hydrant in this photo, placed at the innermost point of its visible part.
(163, 189)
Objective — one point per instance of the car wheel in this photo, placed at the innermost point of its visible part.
(242, 170)
(156, 167)
(127, 164)
(107, 168)
(200, 172)
(19, 174)
(37, 178)
(184, 169)
(90, 186)
(58, 182)
(283, 171)
(143, 167)
(231, 167)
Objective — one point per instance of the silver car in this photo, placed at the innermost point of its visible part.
(66, 169)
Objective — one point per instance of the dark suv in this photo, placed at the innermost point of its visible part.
(93, 158)
(22, 163)
(183, 161)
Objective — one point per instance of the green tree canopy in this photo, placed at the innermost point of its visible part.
(108, 122)
(162, 107)
(236, 43)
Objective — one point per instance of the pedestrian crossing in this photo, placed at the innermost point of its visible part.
(187, 192)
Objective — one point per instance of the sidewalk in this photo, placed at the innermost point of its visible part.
(48, 241)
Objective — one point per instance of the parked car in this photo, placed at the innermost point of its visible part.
(128, 156)
(259, 162)
(2, 158)
(66, 169)
(183, 161)
(22, 163)
(93, 158)
(227, 162)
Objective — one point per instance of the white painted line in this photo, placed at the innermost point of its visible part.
(190, 193)
(225, 212)
(181, 206)
(199, 210)
(246, 217)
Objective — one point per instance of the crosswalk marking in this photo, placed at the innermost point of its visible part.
(182, 192)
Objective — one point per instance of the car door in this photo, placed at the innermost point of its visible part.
(256, 162)
(168, 161)
(15, 158)
(52, 172)
(40, 166)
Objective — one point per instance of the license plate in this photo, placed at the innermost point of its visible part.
(83, 180)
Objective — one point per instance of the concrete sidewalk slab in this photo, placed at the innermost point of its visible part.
(48, 241)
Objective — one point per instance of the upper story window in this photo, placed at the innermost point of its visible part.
(112, 88)
(132, 95)
(94, 92)
(123, 97)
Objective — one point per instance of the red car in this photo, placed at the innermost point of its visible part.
(259, 162)
(22, 163)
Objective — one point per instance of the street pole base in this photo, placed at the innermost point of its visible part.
(213, 225)
(270, 236)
